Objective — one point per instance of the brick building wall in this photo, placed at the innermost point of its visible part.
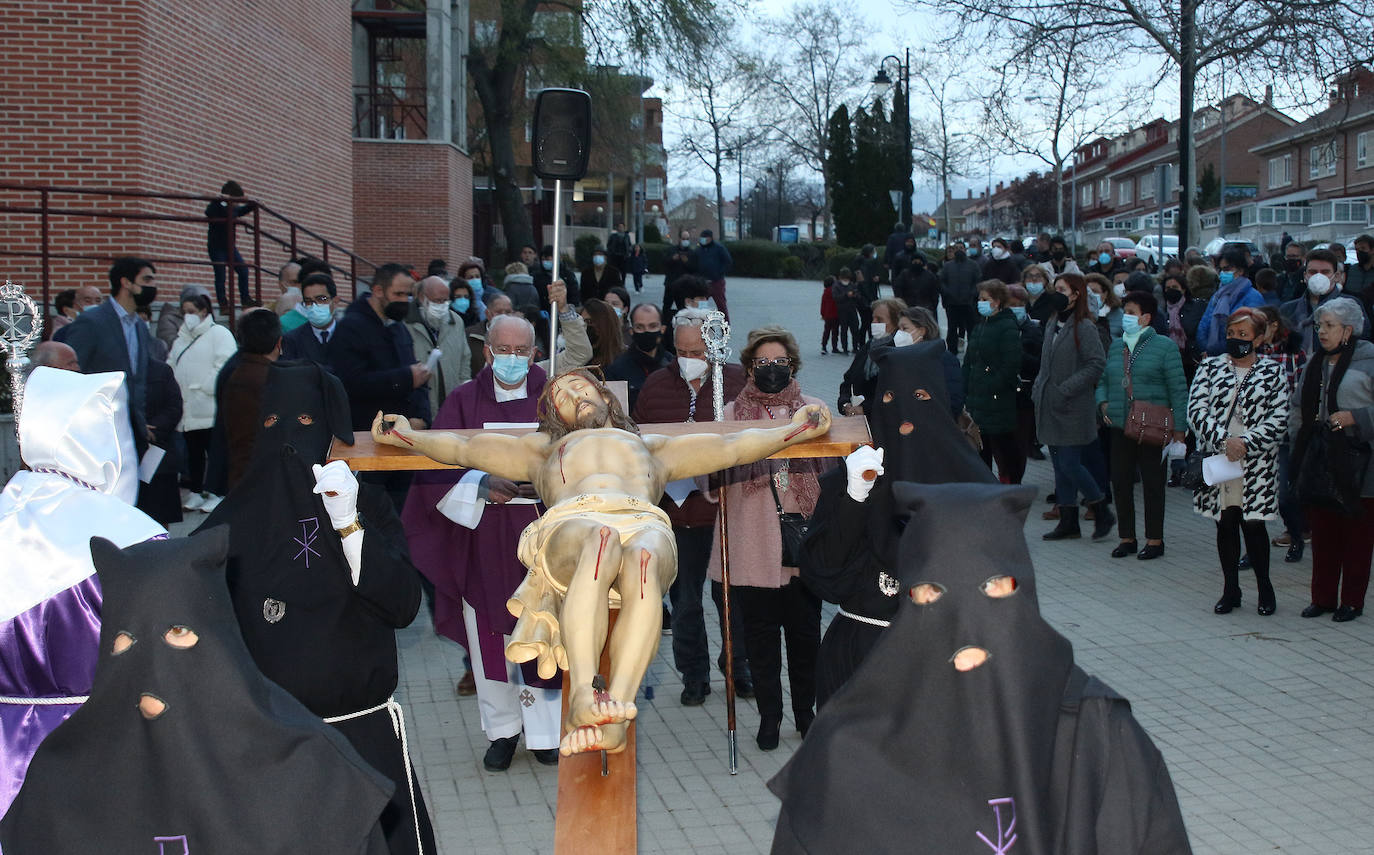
(412, 202)
(168, 96)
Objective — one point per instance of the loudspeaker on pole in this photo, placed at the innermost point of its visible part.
(562, 136)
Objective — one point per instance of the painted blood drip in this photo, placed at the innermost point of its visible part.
(561, 449)
(643, 571)
(605, 536)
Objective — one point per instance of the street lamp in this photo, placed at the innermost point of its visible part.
(737, 155)
(881, 84)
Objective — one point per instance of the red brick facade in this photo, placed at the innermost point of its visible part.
(412, 202)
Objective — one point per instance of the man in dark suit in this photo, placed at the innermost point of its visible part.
(112, 337)
(308, 340)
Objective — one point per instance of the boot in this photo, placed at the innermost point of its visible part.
(1068, 524)
(1103, 519)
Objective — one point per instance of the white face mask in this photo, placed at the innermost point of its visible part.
(877, 330)
(691, 369)
(435, 313)
(999, 253)
(1119, 289)
(1319, 284)
(191, 322)
(1104, 311)
(902, 338)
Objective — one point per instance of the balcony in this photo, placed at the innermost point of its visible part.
(389, 113)
(1336, 212)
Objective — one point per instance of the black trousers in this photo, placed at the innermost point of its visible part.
(767, 612)
(197, 450)
(691, 656)
(1230, 529)
(1007, 449)
(961, 319)
(1129, 458)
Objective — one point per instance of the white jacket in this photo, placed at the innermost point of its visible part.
(196, 358)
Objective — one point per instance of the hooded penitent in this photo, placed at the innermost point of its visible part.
(329, 642)
(184, 746)
(82, 480)
(1020, 753)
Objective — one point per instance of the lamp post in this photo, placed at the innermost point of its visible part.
(881, 84)
(737, 155)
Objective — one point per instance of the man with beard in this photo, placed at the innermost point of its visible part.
(601, 535)
(969, 728)
(111, 337)
(319, 609)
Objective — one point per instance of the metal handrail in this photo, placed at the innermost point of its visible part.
(296, 233)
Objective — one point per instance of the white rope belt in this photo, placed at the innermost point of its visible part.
(45, 702)
(871, 621)
(398, 725)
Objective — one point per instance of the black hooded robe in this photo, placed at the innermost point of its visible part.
(232, 765)
(1021, 755)
(329, 643)
(851, 548)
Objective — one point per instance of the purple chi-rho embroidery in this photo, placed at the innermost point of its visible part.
(1006, 835)
(162, 842)
(307, 539)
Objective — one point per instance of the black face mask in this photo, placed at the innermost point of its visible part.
(1239, 348)
(1057, 254)
(146, 296)
(1058, 302)
(772, 379)
(646, 342)
(1172, 295)
(1292, 263)
(1362, 257)
(397, 310)
(910, 248)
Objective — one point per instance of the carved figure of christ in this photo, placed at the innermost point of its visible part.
(602, 530)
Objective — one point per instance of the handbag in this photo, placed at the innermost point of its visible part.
(1330, 466)
(794, 528)
(969, 428)
(1146, 423)
(1191, 477)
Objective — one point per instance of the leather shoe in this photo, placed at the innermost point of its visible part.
(1345, 613)
(500, 753)
(1124, 548)
(467, 687)
(1051, 514)
(1151, 551)
(694, 693)
(744, 688)
(1294, 554)
(546, 756)
(1315, 610)
(768, 734)
(1225, 605)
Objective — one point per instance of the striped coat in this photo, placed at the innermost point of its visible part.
(1262, 407)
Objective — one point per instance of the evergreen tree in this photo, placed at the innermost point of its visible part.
(873, 213)
(841, 170)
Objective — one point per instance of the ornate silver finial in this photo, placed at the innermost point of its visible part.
(20, 327)
(715, 333)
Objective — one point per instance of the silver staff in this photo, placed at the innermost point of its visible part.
(715, 332)
(20, 327)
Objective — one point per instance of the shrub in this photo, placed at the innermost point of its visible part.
(651, 234)
(840, 256)
(757, 258)
(656, 256)
(583, 248)
(792, 267)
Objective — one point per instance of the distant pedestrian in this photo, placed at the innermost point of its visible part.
(638, 265)
(991, 364)
(712, 262)
(830, 315)
(217, 234)
(959, 278)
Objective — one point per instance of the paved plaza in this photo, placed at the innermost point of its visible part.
(1267, 724)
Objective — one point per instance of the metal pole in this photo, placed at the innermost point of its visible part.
(46, 249)
(715, 332)
(257, 257)
(909, 187)
(1221, 221)
(557, 256)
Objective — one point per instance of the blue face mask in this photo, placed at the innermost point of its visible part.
(547, 264)
(1019, 312)
(1094, 300)
(461, 304)
(705, 241)
(985, 308)
(1035, 288)
(319, 316)
(598, 260)
(1104, 258)
(1130, 324)
(476, 286)
(510, 368)
(1227, 276)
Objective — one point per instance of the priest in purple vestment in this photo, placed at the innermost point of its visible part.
(463, 527)
(83, 477)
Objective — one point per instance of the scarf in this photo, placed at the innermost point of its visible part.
(802, 481)
(1176, 332)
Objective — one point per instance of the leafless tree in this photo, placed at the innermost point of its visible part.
(944, 147)
(816, 61)
(1287, 42)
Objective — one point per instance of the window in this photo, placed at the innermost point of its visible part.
(1314, 162)
(529, 130)
(653, 188)
(1362, 150)
(1104, 189)
(1281, 171)
(1147, 187)
(1321, 160)
(1123, 193)
(1086, 194)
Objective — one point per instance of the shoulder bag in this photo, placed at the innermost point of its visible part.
(1192, 477)
(794, 528)
(1146, 423)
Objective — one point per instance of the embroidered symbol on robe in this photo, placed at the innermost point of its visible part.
(1006, 835)
(273, 610)
(310, 529)
(527, 698)
(887, 584)
(164, 849)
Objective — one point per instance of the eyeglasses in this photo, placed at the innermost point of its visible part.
(322, 300)
(507, 350)
(764, 363)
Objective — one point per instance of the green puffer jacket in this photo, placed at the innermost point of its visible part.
(1156, 375)
(991, 363)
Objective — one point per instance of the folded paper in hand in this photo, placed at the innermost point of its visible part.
(1218, 468)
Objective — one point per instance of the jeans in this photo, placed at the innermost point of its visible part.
(1128, 458)
(690, 654)
(1071, 477)
(220, 256)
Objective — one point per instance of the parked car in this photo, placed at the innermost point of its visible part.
(1349, 245)
(1216, 246)
(1123, 247)
(1149, 249)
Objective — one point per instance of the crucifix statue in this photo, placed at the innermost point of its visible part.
(603, 540)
